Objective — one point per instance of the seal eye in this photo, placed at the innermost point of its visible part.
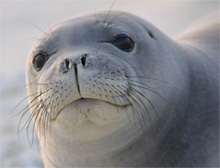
(123, 42)
(39, 61)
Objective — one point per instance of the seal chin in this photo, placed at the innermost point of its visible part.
(91, 117)
(89, 103)
(86, 105)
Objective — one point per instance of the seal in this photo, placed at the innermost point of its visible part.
(110, 89)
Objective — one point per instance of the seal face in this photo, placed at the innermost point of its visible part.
(103, 86)
(87, 72)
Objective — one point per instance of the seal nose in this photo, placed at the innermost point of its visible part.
(65, 66)
(83, 59)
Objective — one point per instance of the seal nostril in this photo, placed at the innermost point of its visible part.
(83, 59)
(67, 62)
(65, 66)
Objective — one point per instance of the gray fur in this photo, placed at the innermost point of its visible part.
(182, 130)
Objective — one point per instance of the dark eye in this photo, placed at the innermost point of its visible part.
(123, 42)
(39, 61)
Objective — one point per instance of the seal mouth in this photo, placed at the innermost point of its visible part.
(108, 102)
(89, 100)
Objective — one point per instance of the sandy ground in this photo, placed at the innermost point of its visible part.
(21, 22)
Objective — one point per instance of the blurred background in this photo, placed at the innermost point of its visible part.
(22, 22)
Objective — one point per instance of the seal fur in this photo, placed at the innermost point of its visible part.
(97, 105)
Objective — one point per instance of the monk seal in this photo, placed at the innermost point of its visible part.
(110, 89)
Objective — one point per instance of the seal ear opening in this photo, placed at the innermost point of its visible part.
(151, 34)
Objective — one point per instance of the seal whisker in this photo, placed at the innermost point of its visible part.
(19, 103)
(38, 28)
(45, 120)
(38, 119)
(26, 109)
(114, 19)
(36, 113)
(138, 107)
(109, 11)
(130, 99)
(117, 95)
(35, 106)
(42, 122)
(30, 39)
(141, 85)
(37, 84)
(147, 99)
(143, 77)
(146, 77)
(140, 104)
(28, 106)
(146, 87)
(28, 122)
(147, 114)
(20, 129)
(134, 107)
(35, 119)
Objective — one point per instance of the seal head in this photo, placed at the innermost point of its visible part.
(101, 87)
